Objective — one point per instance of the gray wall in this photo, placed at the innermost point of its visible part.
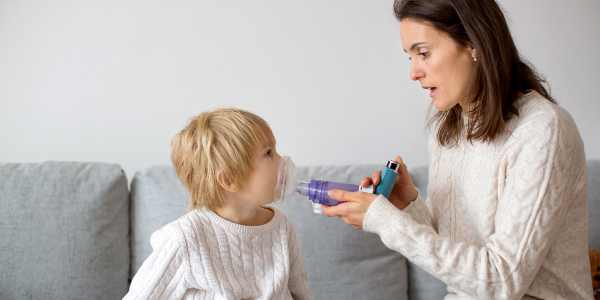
(113, 81)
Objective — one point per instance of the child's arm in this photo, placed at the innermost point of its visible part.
(162, 275)
(298, 282)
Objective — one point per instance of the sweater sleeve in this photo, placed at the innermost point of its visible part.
(544, 171)
(420, 212)
(298, 281)
(163, 273)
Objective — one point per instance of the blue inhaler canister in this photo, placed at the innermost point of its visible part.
(388, 179)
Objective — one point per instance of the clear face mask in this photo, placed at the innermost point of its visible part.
(286, 179)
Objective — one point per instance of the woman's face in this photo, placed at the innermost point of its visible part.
(437, 62)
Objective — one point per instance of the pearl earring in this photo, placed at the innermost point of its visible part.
(474, 58)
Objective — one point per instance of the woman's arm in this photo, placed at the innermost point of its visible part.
(545, 172)
(420, 212)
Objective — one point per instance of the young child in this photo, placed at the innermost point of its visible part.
(229, 245)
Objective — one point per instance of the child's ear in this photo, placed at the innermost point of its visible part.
(226, 183)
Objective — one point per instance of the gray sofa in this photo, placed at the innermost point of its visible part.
(75, 231)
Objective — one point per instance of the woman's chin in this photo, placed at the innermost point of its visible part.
(443, 104)
(440, 105)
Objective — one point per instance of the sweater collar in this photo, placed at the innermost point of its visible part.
(244, 229)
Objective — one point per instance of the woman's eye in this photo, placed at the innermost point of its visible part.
(268, 153)
(424, 54)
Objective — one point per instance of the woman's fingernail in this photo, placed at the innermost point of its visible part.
(332, 193)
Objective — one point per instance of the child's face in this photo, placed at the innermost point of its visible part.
(259, 187)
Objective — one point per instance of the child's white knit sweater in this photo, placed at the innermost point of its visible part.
(503, 220)
(204, 256)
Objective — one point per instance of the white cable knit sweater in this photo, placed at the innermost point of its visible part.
(204, 256)
(503, 220)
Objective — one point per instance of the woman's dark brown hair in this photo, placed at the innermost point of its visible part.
(499, 75)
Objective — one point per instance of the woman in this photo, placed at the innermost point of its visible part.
(506, 216)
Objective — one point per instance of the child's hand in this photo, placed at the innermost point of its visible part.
(404, 191)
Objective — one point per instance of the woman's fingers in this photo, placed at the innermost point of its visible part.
(341, 195)
(353, 208)
(377, 177)
(340, 209)
(356, 204)
(347, 211)
(331, 211)
(366, 181)
(404, 190)
(403, 176)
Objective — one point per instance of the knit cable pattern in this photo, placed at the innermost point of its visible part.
(203, 256)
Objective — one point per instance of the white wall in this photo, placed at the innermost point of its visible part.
(113, 81)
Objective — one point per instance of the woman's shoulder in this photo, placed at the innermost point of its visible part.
(538, 115)
(543, 127)
(533, 107)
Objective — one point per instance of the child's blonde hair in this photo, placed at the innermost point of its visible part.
(220, 140)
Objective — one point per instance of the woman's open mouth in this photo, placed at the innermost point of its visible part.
(433, 91)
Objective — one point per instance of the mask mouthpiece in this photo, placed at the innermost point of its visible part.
(286, 179)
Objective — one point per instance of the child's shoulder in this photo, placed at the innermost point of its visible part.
(285, 218)
(282, 218)
(174, 231)
(191, 233)
(278, 215)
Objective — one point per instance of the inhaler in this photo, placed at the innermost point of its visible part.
(317, 190)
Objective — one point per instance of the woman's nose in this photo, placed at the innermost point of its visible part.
(415, 71)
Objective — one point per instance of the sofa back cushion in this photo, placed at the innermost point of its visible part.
(342, 262)
(63, 231)
(157, 198)
(593, 167)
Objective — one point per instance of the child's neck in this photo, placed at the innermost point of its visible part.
(248, 215)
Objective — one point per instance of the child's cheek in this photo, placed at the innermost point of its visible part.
(272, 180)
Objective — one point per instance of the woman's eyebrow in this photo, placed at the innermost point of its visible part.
(414, 46)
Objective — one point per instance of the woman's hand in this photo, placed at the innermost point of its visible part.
(354, 208)
(404, 191)
(356, 204)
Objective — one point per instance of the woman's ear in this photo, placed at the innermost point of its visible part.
(226, 183)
